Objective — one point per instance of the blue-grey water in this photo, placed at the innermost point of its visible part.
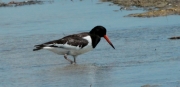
(143, 57)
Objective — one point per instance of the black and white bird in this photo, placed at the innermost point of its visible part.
(76, 44)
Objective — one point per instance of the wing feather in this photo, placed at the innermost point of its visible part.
(72, 40)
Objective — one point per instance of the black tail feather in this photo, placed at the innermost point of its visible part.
(38, 47)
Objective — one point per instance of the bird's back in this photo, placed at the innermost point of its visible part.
(73, 44)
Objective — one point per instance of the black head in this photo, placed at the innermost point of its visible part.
(101, 32)
(98, 30)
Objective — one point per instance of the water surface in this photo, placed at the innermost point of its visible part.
(143, 55)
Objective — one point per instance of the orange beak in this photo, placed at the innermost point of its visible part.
(107, 39)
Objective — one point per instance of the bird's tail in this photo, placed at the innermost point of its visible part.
(38, 47)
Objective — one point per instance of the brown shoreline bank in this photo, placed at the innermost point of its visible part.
(23, 3)
(154, 8)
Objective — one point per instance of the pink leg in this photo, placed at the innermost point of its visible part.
(65, 56)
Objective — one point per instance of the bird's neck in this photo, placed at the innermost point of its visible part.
(95, 40)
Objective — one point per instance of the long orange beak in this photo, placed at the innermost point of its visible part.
(107, 39)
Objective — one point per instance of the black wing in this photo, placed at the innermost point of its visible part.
(73, 40)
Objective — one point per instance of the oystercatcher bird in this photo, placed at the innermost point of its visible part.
(76, 44)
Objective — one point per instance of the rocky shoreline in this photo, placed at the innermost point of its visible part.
(154, 8)
(22, 3)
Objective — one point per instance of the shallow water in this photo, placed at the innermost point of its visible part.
(143, 56)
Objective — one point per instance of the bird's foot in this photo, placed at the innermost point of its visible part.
(73, 62)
